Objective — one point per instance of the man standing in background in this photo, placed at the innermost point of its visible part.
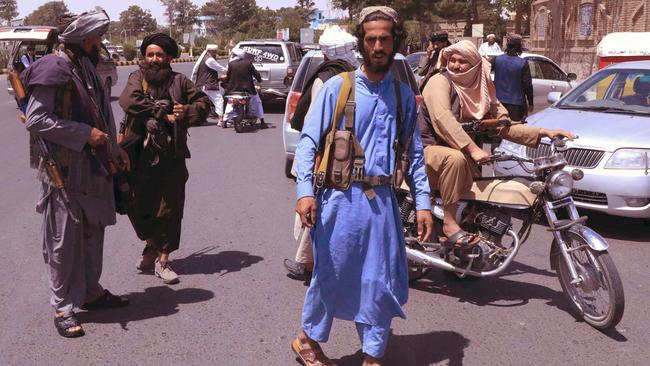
(491, 47)
(514, 85)
(205, 76)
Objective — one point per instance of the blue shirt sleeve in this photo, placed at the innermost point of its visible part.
(416, 177)
(317, 123)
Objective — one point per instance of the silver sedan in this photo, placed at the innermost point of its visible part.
(610, 112)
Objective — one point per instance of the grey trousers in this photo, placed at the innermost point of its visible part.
(73, 254)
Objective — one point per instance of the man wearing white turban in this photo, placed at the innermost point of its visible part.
(205, 76)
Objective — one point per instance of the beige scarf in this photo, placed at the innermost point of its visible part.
(474, 87)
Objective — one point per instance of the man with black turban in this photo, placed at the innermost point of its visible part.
(160, 105)
(70, 110)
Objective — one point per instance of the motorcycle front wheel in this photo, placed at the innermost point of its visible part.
(238, 127)
(598, 298)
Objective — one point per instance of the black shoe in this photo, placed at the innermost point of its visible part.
(263, 126)
(106, 301)
(296, 270)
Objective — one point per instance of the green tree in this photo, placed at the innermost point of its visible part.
(8, 10)
(135, 21)
(522, 17)
(49, 13)
(181, 15)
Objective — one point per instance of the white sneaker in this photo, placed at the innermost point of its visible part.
(166, 273)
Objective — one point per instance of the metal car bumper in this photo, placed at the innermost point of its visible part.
(290, 139)
(612, 191)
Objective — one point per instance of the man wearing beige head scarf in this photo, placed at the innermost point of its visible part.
(463, 92)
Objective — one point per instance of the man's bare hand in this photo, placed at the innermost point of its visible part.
(124, 161)
(425, 225)
(531, 108)
(171, 118)
(179, 111)
(97, 138)
(306, 208)
(558, 133)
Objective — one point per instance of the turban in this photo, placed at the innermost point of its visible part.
(161, 40)
(87, 25)
(513, 38)
(239, 53)
(338, 44)
(211, 47)
(385, 10)
(475, 89)
(439, 37)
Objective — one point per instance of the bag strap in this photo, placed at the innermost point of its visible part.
(341, 101)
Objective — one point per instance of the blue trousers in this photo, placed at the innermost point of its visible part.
(374, 338)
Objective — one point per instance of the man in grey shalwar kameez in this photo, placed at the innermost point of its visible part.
(70, 111)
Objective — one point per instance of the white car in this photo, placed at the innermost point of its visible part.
(610, 112)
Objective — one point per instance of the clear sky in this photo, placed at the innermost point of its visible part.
(114, 7)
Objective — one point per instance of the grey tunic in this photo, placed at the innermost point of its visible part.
(73, 252)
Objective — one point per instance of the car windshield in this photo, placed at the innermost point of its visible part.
(264, 53)
(612, 91)
(414, 59)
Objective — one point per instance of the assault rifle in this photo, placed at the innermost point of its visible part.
(49, 164)
(485, 129)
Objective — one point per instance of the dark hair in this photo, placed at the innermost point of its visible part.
(513, 48)
(398, 31)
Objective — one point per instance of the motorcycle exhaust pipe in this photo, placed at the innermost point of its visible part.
(424, 259)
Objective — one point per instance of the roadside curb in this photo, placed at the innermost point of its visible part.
(131, 63)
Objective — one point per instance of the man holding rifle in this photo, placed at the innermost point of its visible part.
(68, 113)
(463, 93)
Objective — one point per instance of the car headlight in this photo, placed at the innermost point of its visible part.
(629, 159)
(559, 184)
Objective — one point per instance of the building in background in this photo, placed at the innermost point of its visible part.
(568, 31)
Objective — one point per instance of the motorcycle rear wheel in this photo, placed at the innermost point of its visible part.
(238, 126)
(600, 283)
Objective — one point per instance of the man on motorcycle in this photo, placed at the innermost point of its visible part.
(239, 78)
(462, 93)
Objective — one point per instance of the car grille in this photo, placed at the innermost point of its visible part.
(595, 198)
(581, 158)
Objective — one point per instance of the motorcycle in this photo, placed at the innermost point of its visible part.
(244, 117)
(586, 271)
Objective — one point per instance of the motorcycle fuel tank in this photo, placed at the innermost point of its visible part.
(511, 192)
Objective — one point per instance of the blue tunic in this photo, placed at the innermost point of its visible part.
(360, 268)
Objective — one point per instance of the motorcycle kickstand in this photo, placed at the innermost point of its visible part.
(469, 265)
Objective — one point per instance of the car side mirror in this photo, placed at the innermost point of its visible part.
(553, 97)
(571, 76)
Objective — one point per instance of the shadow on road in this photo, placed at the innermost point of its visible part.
(497, 292)
(517, 268)
(620, 228)
(201, 262)
(154, 302)
(418, 350)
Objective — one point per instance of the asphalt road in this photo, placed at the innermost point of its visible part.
(235, 306)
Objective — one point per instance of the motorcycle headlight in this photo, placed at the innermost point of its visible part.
(629, 159)
(559, 184)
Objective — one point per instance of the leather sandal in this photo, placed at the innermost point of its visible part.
(310, 356)
(106, 301)
(460, 239)
(64, 323)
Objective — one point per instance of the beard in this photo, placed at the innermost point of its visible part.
(157, 73)
(369, 63)
(93, 55)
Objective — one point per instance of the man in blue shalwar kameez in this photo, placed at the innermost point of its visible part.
(360, 271)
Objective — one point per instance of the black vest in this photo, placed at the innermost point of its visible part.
(205, 76)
